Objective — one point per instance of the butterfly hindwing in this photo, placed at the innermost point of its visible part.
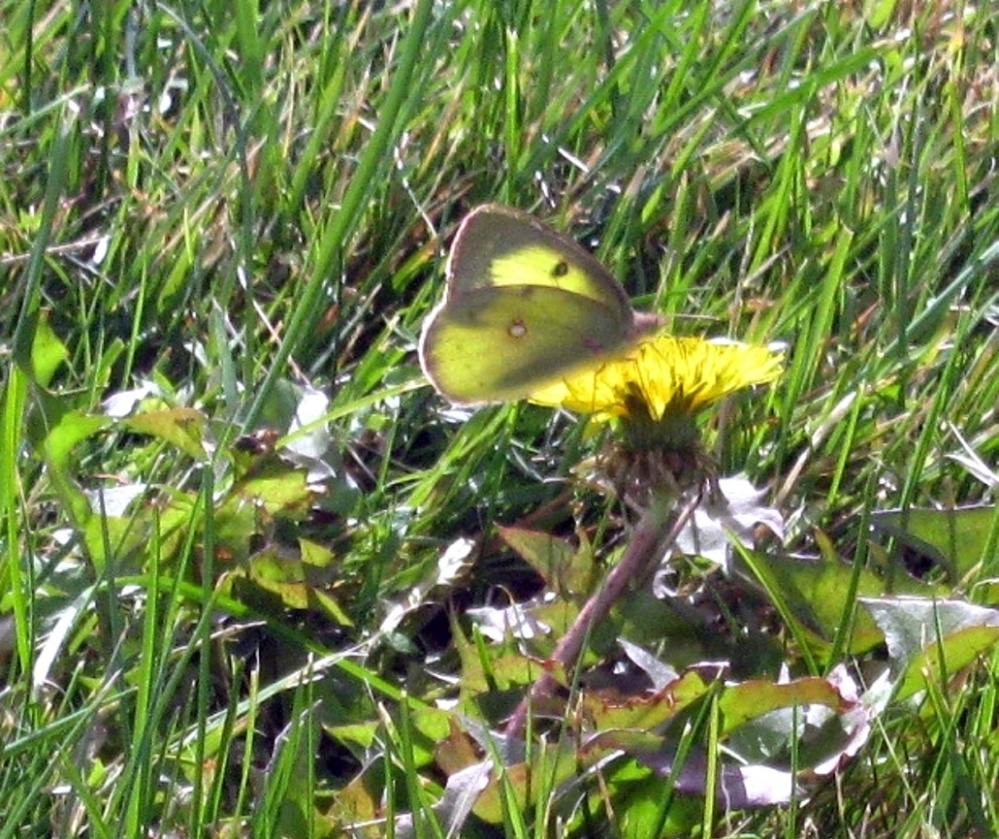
(499, 344)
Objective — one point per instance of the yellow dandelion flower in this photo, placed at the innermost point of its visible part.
(666, 374)
(657, 387)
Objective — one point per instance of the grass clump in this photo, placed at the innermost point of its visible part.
(257, 579)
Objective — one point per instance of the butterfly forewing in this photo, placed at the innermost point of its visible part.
(500, 344)
(498, 246)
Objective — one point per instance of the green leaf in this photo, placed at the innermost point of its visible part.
(567, 569)
(73, 428)
(48, 353)
(522, 785)
(607, 710)
(928, 639)
(956, 538)
(183, 428)
(278, 487)
(748, 700)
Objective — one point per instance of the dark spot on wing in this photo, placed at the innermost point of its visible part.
(560, 269)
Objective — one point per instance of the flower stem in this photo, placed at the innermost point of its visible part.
(656, 531)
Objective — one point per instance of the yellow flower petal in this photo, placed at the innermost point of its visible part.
(663, 376)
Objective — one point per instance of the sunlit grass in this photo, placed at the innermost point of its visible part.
(225, 209)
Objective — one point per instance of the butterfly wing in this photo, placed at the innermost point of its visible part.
(500, 246)
(498, 344)
(524, 306)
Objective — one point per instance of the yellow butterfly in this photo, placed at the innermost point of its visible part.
(524, 306)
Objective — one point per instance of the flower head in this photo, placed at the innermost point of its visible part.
(655, 389)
